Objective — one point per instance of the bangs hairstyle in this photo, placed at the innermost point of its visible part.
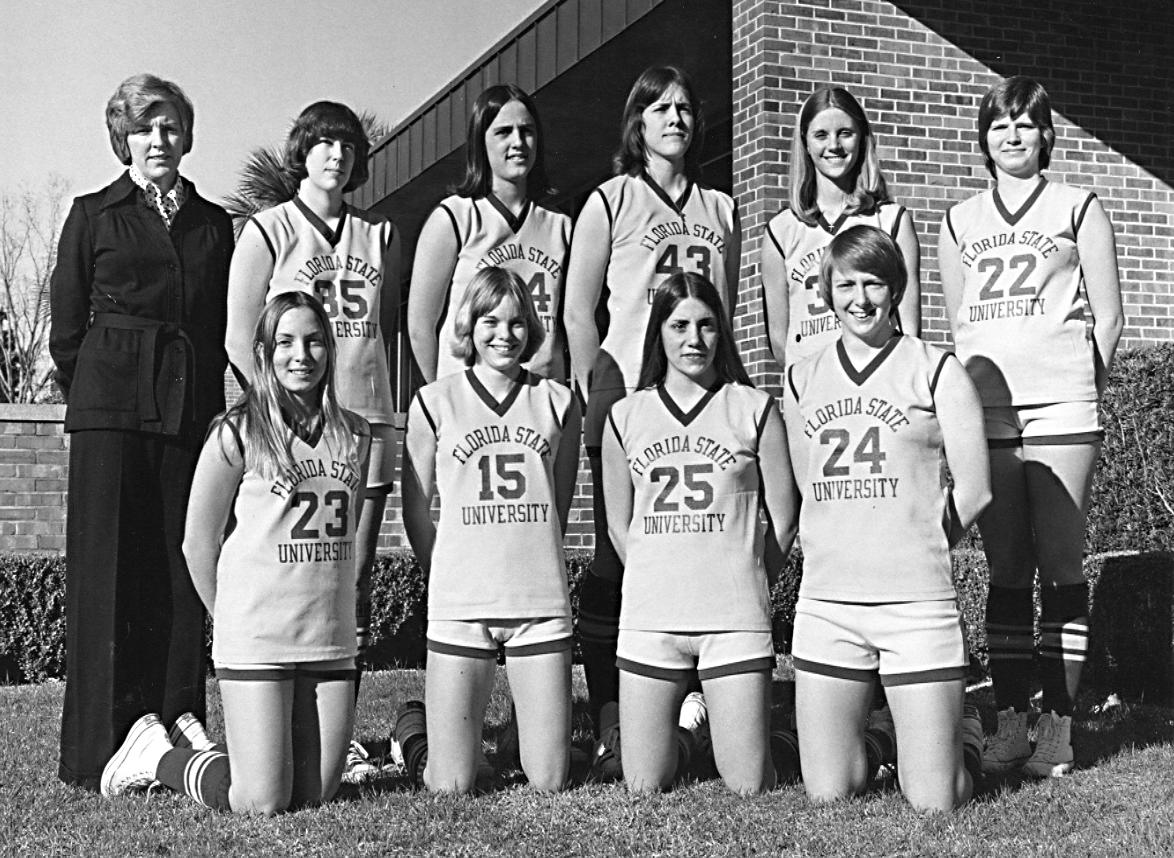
(265, 411)
(326, 120)
(488, 288)
(669, 294)
(478, 181)
(869, 250)
(1013, 97)
(131, 102)
(631, 158)
(869, 186)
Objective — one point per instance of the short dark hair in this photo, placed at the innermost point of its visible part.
(488, 288)
(631, 158)
(868, 249)
(1012, 97)
(478, 180)
(327, 120)
(133, 99)
(675, 289)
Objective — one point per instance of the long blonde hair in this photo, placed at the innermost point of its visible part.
(262, 417)
(870, 188)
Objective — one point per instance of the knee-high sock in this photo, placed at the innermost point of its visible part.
(203, 775)
(1064, 628)
(1009, 634)
(599, 618)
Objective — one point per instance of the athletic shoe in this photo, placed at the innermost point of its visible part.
(188, 732)
(972, 742)
(1008, 749)
(134, 764)
(694, 744)
(1053, 755)
(880, 741)
(359, 766)
(606, 764)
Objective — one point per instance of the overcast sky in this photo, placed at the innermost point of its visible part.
(249, 66)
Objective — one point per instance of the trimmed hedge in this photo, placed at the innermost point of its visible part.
(32, 617)
(1132, 647)
(1133, 489)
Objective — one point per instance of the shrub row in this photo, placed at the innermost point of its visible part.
(1132, 647)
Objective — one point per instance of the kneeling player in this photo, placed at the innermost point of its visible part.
(686, 460)
(872, 419)
(279, 482)
(501, 447)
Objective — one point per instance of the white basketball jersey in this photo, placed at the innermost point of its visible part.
(652, 237)
(344, 270)
(694, 545)
(1022, 330)
(874, 518)
(811, 324)
(285, 583)
(498, 551)
(534, 245)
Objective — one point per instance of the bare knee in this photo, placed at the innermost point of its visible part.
(259, 801)
(646, 785)
(547, 778)
(460, 783)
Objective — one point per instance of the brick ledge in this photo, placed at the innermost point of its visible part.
(23, 413)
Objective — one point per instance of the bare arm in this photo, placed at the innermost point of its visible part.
(617, 491)
(248, 283)
(959, 413)
(418, 484)
(566, 463)
(909, 311)
(218, 474)
(1098, 260)
(389, 294)
(950, 269)
(590, 254)
(775, 297)
(733, 264)
(436, 259)
(780, 500)
(797, 440)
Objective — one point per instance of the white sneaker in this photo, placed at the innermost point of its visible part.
(1053, 757)
(359, 767)
(1008, 749)
(134, 764)
(695, 742)
(188, 732)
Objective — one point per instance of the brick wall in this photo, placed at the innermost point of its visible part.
(34, 458)
(920, 67)
(34, 473)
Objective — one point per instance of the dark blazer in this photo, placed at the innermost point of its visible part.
(138, 313)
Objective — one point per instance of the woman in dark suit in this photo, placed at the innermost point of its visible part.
(138, 317)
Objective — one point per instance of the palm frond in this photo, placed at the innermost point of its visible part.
(261, 184)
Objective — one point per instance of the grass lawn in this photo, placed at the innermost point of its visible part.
(1119, 802)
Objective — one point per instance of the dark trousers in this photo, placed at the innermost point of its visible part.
(135, 626)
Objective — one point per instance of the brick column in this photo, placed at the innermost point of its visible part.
(761, 141)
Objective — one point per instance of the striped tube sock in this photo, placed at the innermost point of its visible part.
(1009, 634)
(1064, 630)
(202, 775)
